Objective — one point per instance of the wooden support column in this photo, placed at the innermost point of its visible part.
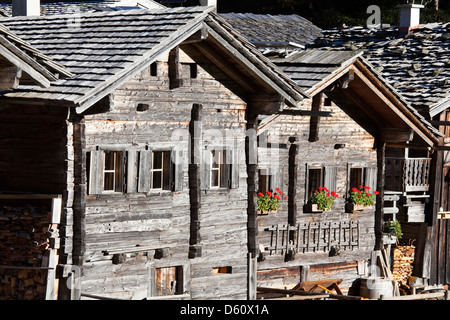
(251, 159)
(379, 212)
(195, 131)
(317, 104)
(292, 193)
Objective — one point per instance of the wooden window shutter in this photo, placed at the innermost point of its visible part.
(370, 178)
(177, 172)
(276, 180)
(234, 156)
(145, 165)
(329, 180)
(132, 171)
(205, 170)
(96, 172)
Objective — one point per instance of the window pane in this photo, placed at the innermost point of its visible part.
(314, 180)
(215, 161)
(214, 178)
(109, 160)
(356, 177)
(157, 159)
(109, 181)
(157, 183)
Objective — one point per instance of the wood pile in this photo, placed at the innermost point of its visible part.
(402, 266)
(24, 235)
(23, 284)
(24, 240)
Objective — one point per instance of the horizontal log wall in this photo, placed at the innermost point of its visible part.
(358, 151)
(160, 221)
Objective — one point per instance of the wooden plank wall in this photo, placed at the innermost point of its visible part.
(32, 148)
(121, 223)
(339, 129)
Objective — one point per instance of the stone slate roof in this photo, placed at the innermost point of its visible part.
(104, 49)
(54, 7)
(311, 67)
(268, 31)
(417, 65)
(40, 67)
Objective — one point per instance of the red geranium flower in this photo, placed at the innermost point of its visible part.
(285, 198)
(260, 194)
(377, 193)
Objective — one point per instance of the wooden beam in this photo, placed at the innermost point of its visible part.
(317, 104)
(379, 211)
(292, 192)
(195, 132)
(395, 134)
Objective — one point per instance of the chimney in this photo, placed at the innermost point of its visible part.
(208, 3)
(26, 7)
(409, 17)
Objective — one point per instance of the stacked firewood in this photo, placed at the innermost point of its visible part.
(22, 284)
(24, 239)
(23, 235)
(402, 265)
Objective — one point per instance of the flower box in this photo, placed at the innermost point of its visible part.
(351, 207)
(265, 213)
(312, 208)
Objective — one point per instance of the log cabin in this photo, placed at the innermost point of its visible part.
(340, 153)
(415, 64)
(149, 145)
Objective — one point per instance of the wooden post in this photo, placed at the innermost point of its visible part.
(317, 104)
(251, 157)
(292, 193)
(195, 131)
(379, 212)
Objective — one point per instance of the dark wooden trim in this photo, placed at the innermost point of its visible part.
(292, 191)
(251, 148)
(195, 131)
(379, 212)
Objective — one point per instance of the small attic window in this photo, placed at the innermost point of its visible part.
(154, 69)
(189, 70)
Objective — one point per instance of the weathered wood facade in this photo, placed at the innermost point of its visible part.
(149, 153)
(340, 152)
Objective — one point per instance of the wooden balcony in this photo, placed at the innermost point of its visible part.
(407, 175)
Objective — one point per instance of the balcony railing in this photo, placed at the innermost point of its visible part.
(407, 175)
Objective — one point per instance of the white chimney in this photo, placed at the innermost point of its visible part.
(26, 7)
(208, 3)
(409, 16)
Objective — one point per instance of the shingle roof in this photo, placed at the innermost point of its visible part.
(41, 68)
(417, 65)
(55, 7)
(310, 68)
(266, 30)
(103, 49)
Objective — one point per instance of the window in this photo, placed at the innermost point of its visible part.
(220, 173)
(113, 171)
(169, 281)
(360, 175)
(158, 171)
(106, 171)
(356, 178)
(314, 179)
(222, 270)
(188, 70)
(320, 176)
(264, 180)
(220, 169)
(161, 170)
(154, 69)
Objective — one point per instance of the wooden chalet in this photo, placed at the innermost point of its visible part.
(146, 147)
(416, 66)
(339, 152)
